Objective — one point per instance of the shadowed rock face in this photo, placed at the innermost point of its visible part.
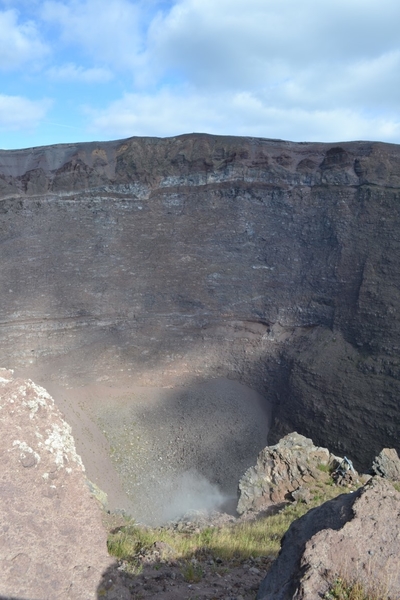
(270, 262)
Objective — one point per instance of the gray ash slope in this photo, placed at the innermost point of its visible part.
(273, 263)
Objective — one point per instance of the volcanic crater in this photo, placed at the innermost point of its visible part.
(181, 297)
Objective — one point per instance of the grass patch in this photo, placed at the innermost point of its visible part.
(192, 572)
(254, 538)
(343, 589)
(130, 541)
(325, 468)
(240, 541)
(260, 537)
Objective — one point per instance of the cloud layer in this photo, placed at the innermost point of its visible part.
(302, 71)
(18, 113)
(20, 43)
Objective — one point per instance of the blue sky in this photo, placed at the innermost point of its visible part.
(315, 70)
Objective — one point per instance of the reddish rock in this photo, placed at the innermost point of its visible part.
(355, 536)
(52, 542)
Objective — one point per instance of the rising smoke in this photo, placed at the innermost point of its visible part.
(171, 497)
(189, 491)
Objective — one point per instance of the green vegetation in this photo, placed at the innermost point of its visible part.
(192, 572)
(254, 538)
(343, 589)
(192, 550)
(259, 537)
(324, 468)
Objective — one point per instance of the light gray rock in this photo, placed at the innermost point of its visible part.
(387, 464)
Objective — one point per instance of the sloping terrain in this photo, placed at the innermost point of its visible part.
(169, 262)
(353, 538)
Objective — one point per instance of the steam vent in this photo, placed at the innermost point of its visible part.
(179, 297)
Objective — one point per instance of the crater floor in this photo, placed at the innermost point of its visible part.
(159, 452)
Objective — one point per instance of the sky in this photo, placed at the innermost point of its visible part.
(94, 70)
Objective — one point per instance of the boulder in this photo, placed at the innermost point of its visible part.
(354, 537)
(387, 464)
(52, 542)
(282, 473)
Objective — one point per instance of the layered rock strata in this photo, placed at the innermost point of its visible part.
(270, 262)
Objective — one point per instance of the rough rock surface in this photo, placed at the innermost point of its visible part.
(387, 464)
(270, 262)
(52, 542)
(355, 536)
(283, 472)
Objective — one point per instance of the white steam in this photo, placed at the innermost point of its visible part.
(185, 492)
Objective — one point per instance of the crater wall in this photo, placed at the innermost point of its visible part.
(161, 260)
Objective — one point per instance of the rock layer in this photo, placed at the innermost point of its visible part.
(52, 542)
(270, 262)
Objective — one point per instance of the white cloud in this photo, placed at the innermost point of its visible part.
(368, 84)
(239, 43)
(162, 114)
(76, 73)
(18, 113)
(301, 71)
(107, 30)
(169, 113)
(20, 43)
(303, 58)
(276, 68)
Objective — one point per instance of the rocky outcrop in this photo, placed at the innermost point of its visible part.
(52, 543)
(283, 472)
(270, 262)
(354, 537)
(387, 464)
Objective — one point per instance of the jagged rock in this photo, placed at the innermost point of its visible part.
(52, 542)
(302, 494)
(347, 479)
(281, 472)
(387, 464)
(355, 536)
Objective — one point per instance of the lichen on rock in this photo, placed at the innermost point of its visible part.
(52, 543)
(282, 471)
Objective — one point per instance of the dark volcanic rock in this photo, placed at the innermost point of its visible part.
(270, 262)
(52, 542)
(354, 536)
